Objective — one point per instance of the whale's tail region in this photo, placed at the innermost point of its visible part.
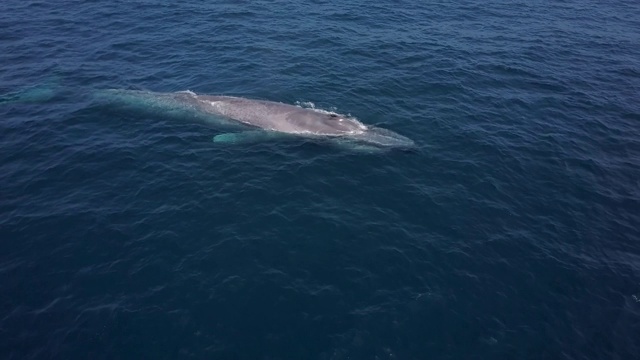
(32, 95)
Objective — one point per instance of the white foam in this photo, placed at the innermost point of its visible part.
(215, 104)
(311, 106)
(306, 104)
(187, 92)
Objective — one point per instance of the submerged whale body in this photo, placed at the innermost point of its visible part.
(264, 120)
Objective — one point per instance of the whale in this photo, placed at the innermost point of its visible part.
(262, 120)
(241, 120)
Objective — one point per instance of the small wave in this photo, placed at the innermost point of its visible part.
(312, 106)
(189, 92)
(306, 104)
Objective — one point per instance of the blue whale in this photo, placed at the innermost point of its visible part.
(252, 120)
(259, 120)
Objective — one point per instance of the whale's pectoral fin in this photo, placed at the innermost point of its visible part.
(247, 137)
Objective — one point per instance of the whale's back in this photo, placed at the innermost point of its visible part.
(278, 116)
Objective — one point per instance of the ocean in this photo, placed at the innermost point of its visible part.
(510, 232)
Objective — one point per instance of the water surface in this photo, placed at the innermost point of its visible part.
(512, 233)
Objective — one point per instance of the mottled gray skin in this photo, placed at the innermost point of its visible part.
(275, 116)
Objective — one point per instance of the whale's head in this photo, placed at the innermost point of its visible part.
(385, 138)
(351, 129)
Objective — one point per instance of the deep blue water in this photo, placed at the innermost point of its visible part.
(511, 233)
